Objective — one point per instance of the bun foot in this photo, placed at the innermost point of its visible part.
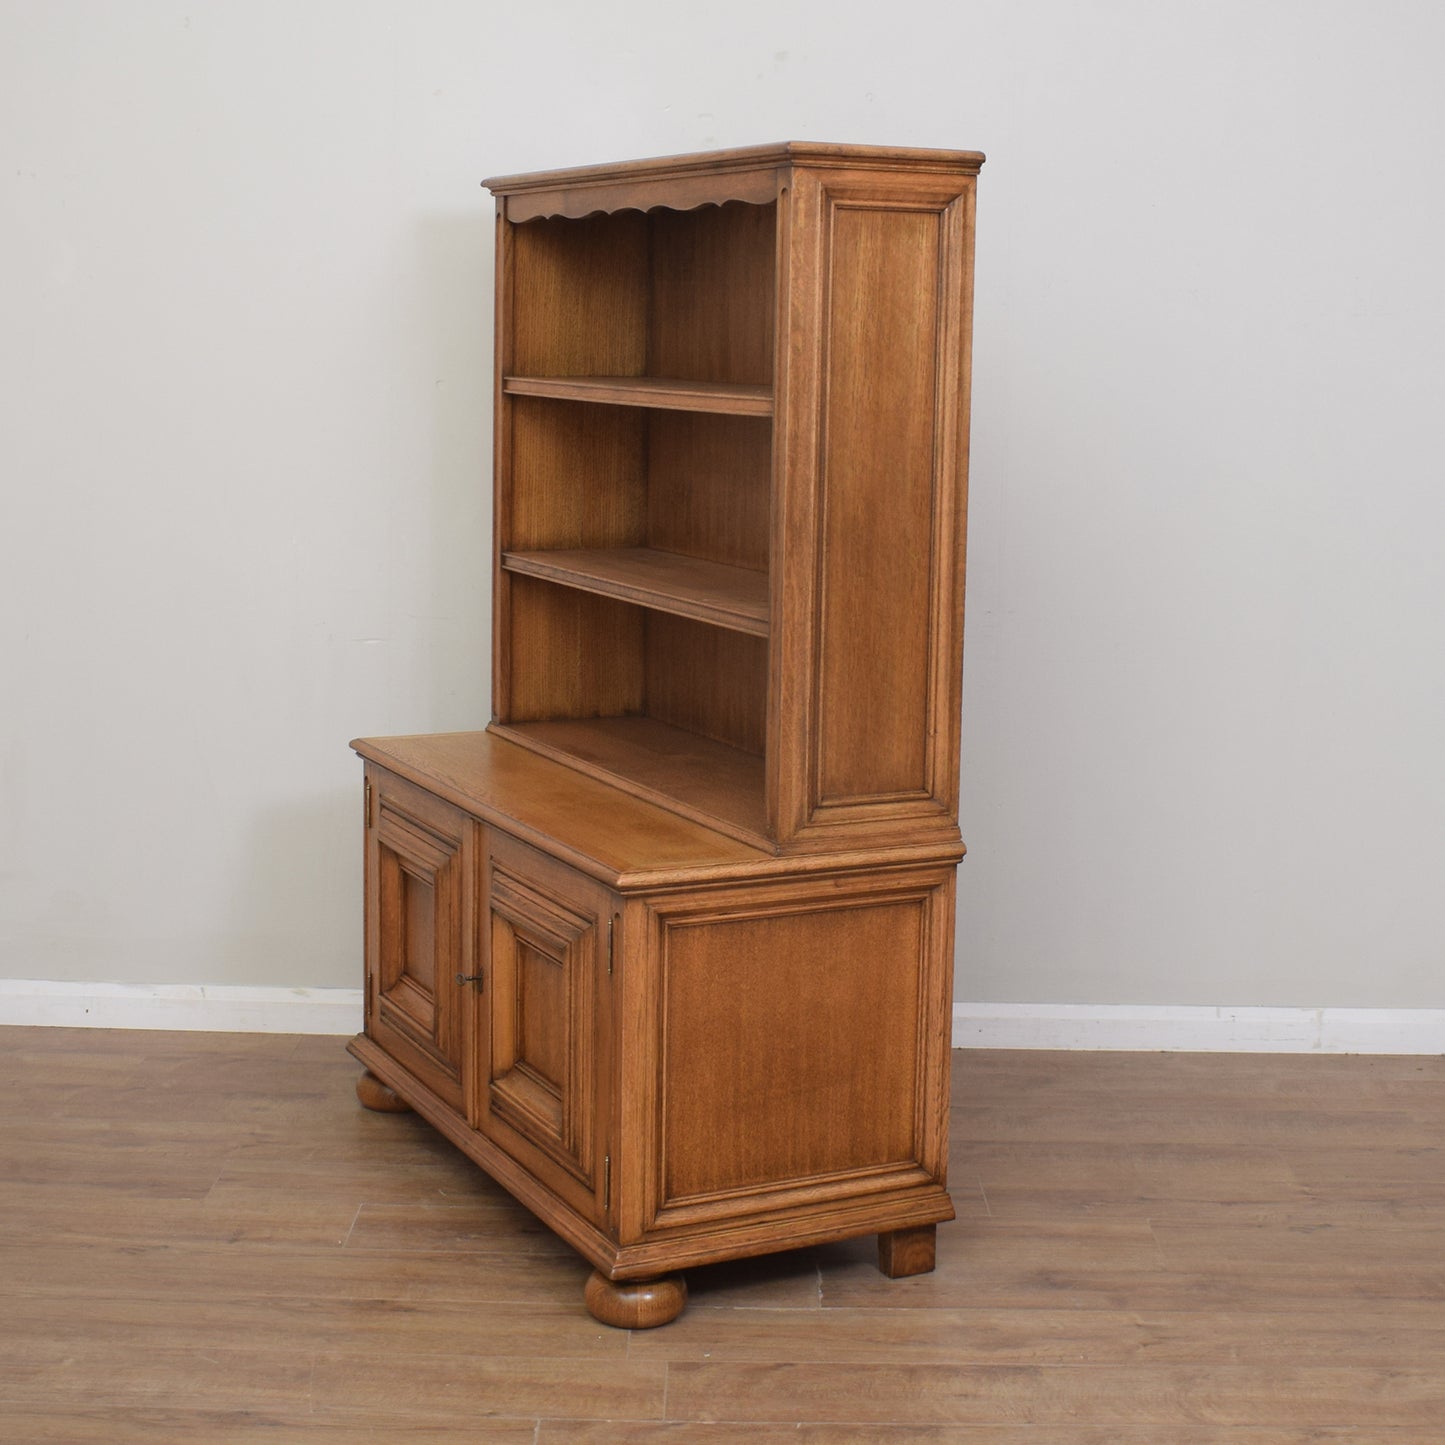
(373, 1094)
(637, 1304)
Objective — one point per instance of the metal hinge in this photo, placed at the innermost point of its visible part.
(368, 802)
(611, 928)
(607, 1182)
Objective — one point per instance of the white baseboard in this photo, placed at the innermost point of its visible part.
(209, 1008)
(240, 1009)
(1178, 1028)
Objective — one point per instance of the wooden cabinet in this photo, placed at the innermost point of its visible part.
(668, 948)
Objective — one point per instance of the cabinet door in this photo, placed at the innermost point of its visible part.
(420, 935)
(545, 1047)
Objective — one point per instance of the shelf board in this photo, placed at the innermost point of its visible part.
(731, 597)
(728, 398)
(694, 776)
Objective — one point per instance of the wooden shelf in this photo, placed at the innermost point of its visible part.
(690, 774)
(731, 597)
(727, 398)
(607, 833)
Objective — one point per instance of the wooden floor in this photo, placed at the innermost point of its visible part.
(205, 1239)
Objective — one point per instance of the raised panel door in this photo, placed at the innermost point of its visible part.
(544, 1046)
(420, 934)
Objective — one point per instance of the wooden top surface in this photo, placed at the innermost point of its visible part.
(603, 831)
(748, 174)
(808, 153)
(625, 841)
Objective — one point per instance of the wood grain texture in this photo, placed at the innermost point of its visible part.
(749, 1016)
(605, 833)
(870, 470)
(663, 394)
(578, 299)
(709, 487)
(712, 682)
(637, 1304)
(718, 787)
(420, 853)
(728, 597)
(545, 1071)
(713, 284)
(737, 160)
(876, 542)
(576, 476)
(165, 1279)
(903, 1252)
(372, 1094)
(609, 835)
(1224, 1396)
(748, 174)
(573, 654)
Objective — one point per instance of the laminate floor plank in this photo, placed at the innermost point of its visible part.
(1109, 1180)
(204, 1238)
(247, 1270)
(143, 1045)
(988, 1268)
(1412, 1338)
(428, 1388)
(105, 1372)
(1342, 1252)
(454, 1228)
(791, 1280)
(62, 1425)
(1375, 1174)
(1207, 1121)
(299, 1326)
(217, 1217)
(1162, 1395)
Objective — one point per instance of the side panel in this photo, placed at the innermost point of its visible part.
(874, 441)
(876, 533)
(794, 1038)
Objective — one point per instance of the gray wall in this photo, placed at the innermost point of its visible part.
(244, 383)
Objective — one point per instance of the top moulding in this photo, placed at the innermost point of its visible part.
(685, 182)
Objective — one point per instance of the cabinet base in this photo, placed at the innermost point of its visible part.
(375, 1095)
(635, 1304)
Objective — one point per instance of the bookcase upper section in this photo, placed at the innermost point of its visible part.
(731, 450)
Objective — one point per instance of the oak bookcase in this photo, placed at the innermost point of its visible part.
(668, 948)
